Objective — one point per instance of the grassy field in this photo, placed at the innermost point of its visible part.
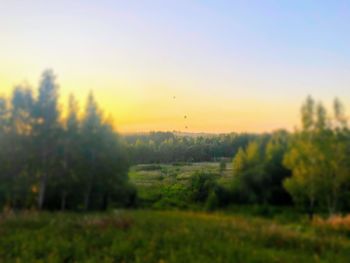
(235, 234)
(166, 236)
(158, 180)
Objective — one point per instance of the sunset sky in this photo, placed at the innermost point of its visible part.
(231, 65)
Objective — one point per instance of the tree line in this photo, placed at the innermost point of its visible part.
(167, 147)
(61, 158)
(51, 161)
(311, 166)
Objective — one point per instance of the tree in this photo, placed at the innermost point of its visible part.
(46, 129)
(91, 131)
(239, 162)
(222, 166)
(105, 166)
(20, 144)
(56, 163)
(318, 158)
(201, 185)
(4, 149)
(301, 158)
(304, 185)
(70, 150)
(275, 170)
(258, 171)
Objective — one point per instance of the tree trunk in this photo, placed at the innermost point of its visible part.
(41, 197)
(87, 199)
(334, 200)
(105, 202)
(63, 200)
(310, 213)
(43, 178)
(311, 210)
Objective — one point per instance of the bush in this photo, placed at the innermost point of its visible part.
(172, 196)
(125, 197)
(223, 165)
(201, 184)
(212, 202)
(223, 195)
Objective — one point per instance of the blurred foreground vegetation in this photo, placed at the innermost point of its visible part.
(175, 236)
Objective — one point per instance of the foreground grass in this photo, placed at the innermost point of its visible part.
(154, 236)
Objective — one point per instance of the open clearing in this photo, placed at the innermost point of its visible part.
(152, 179)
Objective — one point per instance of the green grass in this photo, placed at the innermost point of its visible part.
(151, 174)
(236, 234)
(165, 236)
(152, 180)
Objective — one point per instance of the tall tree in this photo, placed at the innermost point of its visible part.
(4, 148)
(46, 129)
(318, 158)
(70, 145)
(56, 163)
(91, 136)
(258, 170)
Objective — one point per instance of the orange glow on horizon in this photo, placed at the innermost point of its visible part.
(158, 107)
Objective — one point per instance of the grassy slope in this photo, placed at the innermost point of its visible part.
(153, 236)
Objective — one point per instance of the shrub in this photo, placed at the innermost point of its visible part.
(201, 184)
(212, 201)
(223, 165)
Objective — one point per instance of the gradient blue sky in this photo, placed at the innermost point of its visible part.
(232, 65)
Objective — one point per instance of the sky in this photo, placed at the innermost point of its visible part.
(228, 66)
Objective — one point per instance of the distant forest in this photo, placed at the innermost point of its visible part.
(168, 147)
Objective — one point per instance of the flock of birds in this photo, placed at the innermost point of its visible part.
(185, 116)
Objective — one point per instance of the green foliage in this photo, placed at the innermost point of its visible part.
(212, 202)
(223, 165)
(318, 156)
(258, 171)
(201, 185)
(172, 196)
(173, 186)
(47, 161)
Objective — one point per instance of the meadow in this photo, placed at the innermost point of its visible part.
(166, 236)
(164, 232)
(163, 185)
